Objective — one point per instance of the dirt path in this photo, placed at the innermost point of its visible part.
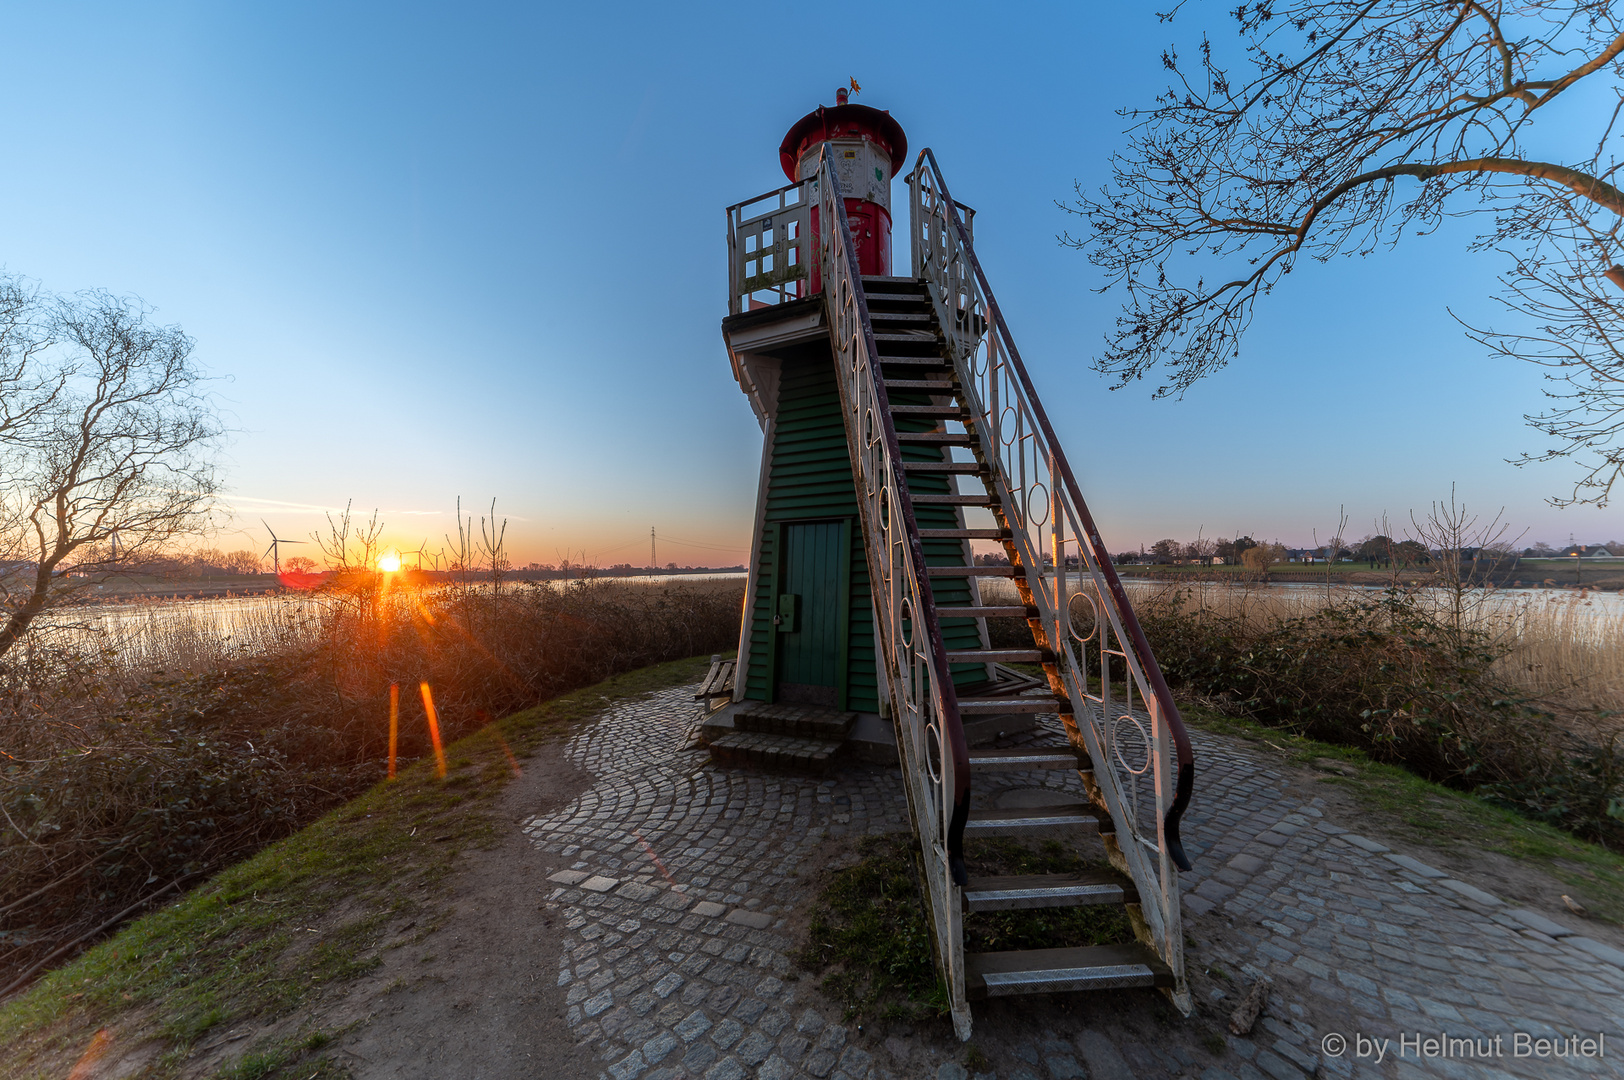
(636, 918)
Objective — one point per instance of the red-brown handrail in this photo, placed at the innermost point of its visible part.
(1141, 647)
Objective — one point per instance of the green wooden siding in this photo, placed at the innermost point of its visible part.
(810, 480)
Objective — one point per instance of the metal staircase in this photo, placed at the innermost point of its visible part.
(927, 363)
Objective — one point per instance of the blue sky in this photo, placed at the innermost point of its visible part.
(479, 251)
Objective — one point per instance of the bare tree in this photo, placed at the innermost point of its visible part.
(107, 444)
(1359, 121)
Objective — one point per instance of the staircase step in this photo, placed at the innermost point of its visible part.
(805, 721)
(777, 752)
(893, 298)
(974, 571)
(918, 363)
(1009, 705)
(923, 337)
(997, 656)
(898, 316)
(984, 499)
(965, 534)
(1036, 819)
(1049, 891)
(968, 468)
(1048, 971)
(913, 283)
(941, 412)
(937, 438)
(1013, 611)
(943, 385)
(1029, 757)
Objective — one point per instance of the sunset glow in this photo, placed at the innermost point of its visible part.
(389, 562)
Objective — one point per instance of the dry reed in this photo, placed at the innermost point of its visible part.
(141, 750)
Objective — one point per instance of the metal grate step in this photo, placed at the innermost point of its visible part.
(1049, 891)
(1042, 819)
(974, 571)
(1009, 705)
(998, 656)
(987, 612)
(1048, 971)
(1028, 757)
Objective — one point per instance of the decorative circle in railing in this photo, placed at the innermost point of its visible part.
(1141, 736)
(1093, 615)
(933, 750)
(905, 621)
(1034, 517)
(980, 360)
(885, 511)
(1009, 425)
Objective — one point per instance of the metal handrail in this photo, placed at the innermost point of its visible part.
(1120, 609)
(923, 699)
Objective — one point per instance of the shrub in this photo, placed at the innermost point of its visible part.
(116, 786)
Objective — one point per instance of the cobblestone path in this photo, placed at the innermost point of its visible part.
(673, 879)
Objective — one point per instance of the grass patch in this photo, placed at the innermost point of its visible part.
(1429, 814)
(869, 940)
(239, 946)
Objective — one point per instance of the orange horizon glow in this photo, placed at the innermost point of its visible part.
(389, 562)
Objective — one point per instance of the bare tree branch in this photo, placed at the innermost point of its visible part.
(1360, 121)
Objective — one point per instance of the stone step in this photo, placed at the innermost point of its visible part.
(1048, 971)
(1030, 757)
(1049, 891)
(1041, 819)
(781, 753)
(806, 721)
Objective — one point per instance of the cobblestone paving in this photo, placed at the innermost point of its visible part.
(673, 878)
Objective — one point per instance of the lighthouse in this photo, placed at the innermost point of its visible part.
(808, 635)
(901, 430)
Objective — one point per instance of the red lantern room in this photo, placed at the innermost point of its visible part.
(868, 148)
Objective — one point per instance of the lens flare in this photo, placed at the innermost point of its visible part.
(434, 727)
(394, 724)
(86, 1066)
(389, 562)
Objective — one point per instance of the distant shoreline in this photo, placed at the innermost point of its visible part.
(136, 590)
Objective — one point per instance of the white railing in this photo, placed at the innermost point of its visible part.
(1124, 716)
(924, 708)
(768, 252)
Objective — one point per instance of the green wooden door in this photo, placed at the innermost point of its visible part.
(810, 614)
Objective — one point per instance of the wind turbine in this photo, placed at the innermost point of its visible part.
(274, 551)
(419, 553)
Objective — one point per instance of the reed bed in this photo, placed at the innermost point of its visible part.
(1514, 697)
(141, 752)
(1566, 651)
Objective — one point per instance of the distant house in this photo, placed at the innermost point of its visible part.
(1585, 551)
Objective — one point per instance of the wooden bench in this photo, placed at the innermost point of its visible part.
(718, 682)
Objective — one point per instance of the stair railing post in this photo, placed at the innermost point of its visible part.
(925, 706)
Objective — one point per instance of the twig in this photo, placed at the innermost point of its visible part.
(61, 949)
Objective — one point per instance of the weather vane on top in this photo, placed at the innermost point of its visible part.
(855, 88)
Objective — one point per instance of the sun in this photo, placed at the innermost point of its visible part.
(389, 562)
